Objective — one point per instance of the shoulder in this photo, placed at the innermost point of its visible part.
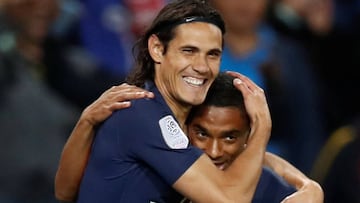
(142, 115)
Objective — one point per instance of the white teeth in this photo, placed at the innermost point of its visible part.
(193, 81)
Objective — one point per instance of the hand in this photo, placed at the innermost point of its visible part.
(115, 98)
(255, 101)
(310, 193)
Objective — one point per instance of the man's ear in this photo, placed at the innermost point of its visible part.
(155, 48)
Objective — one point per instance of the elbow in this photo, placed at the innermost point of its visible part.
(319, 189)
(64, 196)
(315, 191)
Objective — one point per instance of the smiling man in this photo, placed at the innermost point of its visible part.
(151, 160)
(220, 126)
(142, 154)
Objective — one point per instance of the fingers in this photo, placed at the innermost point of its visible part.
(254, 98)
(243, 80)
(115, 98)
(128, 92)
(128, 96)
(118, 97)
(119, 105)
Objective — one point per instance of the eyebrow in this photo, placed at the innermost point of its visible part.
(201, 127)
(189, 47)
(197, 48)
(216, 50)
(238, 133)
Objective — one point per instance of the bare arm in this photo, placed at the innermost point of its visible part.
(77, 148)
(238, 182)
(221, 184)
(308, 190)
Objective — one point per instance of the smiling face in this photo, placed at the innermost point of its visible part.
(190, 64)
(221, 132)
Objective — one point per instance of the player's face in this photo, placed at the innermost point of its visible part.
(191, 63)
(221, 132)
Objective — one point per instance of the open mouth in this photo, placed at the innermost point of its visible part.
(194, 81)
(221, 165)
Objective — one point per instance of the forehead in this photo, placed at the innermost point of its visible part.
(220, 118)
(198, 34)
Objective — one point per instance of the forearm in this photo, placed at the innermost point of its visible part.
(307, 190)
(73, 161)
(236, 184)
(260, 124)
(284, 169)
(253, 156)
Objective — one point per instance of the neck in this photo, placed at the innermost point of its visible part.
(179, 109)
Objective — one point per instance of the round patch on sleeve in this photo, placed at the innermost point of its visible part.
(174, 137)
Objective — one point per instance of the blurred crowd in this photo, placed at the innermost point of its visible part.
(57, 56)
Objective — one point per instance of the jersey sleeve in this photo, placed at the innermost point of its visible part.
(146, 135)
(165, 148)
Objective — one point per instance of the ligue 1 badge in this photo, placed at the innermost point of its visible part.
(174, 137)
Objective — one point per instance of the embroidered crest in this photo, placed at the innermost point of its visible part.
(174, 137)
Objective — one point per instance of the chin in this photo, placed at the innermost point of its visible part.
(198, 102)
(194, 99)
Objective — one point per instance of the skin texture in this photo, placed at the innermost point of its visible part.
(184, 74)
(229, 181)
(194, 55)
(76, 150)
(68, 173)
(221, 132)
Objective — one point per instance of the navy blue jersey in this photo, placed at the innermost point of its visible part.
(137, 155)
(271, 188)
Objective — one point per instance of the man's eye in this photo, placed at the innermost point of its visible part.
(230, 138)
(188, 51)
(201, 134)
(215, 54)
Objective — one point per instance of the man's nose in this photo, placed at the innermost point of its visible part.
(214, 150)
(201, 64)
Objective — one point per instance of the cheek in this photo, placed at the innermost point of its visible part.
(177, 60)
(215, 67)
(234, 150)
(198, 143)
(201, 144)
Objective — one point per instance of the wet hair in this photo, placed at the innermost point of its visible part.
(222, 93)
(163, 26)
